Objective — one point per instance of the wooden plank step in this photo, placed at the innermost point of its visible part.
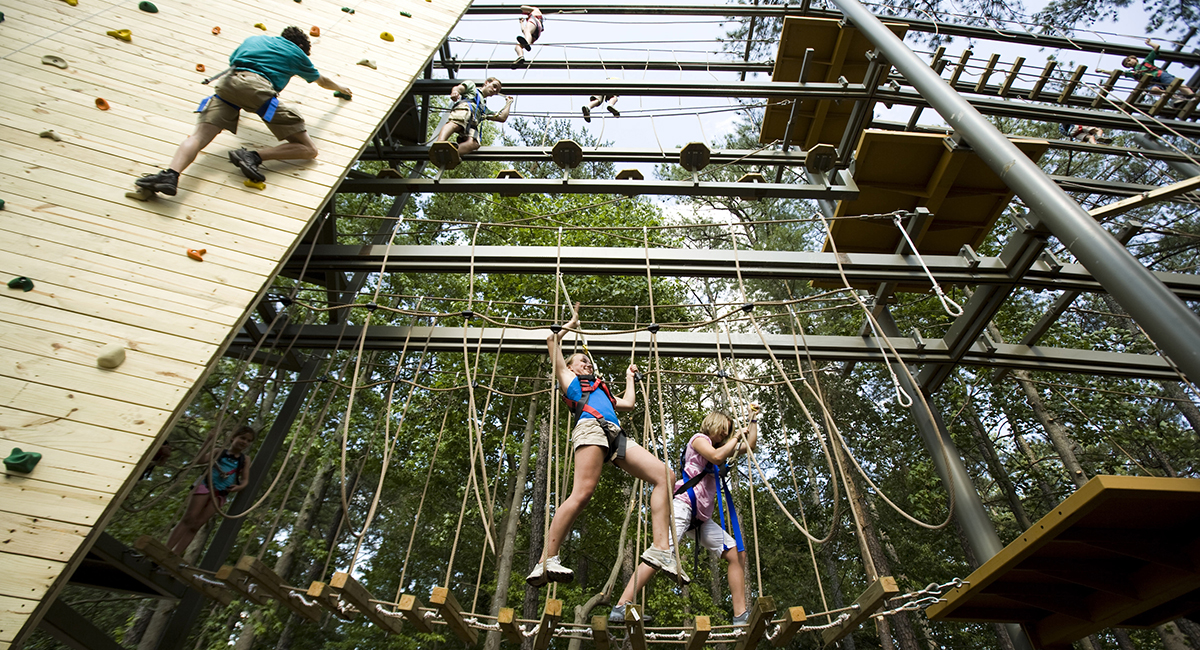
(870, 600)
(180, 570)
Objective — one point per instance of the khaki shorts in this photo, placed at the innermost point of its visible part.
(249, 91)
(461, 116)
(589, 432)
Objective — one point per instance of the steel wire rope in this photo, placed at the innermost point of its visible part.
(937, 288)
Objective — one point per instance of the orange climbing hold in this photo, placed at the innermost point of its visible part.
(387, 37)
(216, 31)
(197, 255)
(199, 67)
(101, 104)
(123, 34)
(315, 31)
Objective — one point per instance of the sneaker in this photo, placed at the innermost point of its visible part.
(520, 61)
(587, 114)
(248, 162)
(742, 618)
(664, 560)
(551, 570)
(614, 111)
(537, 577)
(617, 615)
(524, 43)
(164, 182)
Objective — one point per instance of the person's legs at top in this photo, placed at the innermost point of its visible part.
(682, 515)
(589, 461)
(167, 180)
(200, 509)
(593, 102)
(737, 582)
(295, 147)
(641, 464)
(468, 144)
(612, 105)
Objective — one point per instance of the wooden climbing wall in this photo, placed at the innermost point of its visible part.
(107, 269)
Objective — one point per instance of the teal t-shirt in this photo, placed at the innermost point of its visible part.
(275, 58)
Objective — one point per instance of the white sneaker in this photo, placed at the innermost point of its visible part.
(551, 570)
(664, 560)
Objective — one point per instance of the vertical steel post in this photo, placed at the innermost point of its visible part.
(1168, 321)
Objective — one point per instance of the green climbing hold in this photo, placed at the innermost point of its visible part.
(148, 7)
(341, 95)
(406, 14)
(21, 282)
(22, 461)
(1, 204)
(347, 10)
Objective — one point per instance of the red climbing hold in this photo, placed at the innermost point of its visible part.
(197, 255)
(315, 31)
(101, 104)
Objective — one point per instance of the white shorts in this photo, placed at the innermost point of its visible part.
(710, 535)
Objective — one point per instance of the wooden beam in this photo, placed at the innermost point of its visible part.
(268, 579)
(1106, 88)
(635, 627)
(793, 620)
(551, 615)
(1166, 96)
(701, 627)
(1161, 194)
(1188, 108)
(451, 612)
(756, 626)
(600, 632)
(242, 583)
(1139, 89)
(1012, 76)
(321, 594)
(1071, 85)
(508, 625)
(958, 69)
(1041, 82)
(870, 600)
(410, 607)
(346, 587)
(987, 73)
(174, 565)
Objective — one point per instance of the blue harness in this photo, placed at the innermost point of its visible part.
(689, 486)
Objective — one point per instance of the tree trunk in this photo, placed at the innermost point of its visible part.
(831, 568)
(883, 551)
(1049, 500)
(162, 613)
(141, 620)
(996, 468)
(1172, 637)
(1191, 629)
(512, 520)
(537, 517)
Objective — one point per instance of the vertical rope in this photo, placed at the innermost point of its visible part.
(421, 504)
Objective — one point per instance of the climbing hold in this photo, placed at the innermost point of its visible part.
(387, 37)
(1, 16)
(216, 31)
(258, 185)
(197, 255)
(72, 2)
(101, 104)
(123, 34)
(21, 282)
(140, 194)
(341, 95)
(49, 133)
(56, 61)
(199, 67)
(261, 26)
(111, 356)
(1, 204)
(368, 63)
(148, 7)
(315, 31)
(406, 14)
(22, 461)
(347, 10)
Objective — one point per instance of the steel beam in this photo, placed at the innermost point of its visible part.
(635, 66)
(675, 262)
(843, 188)
(746, 346)
(74, 631)
(1168, 321)
(113, 566)
(944, 28)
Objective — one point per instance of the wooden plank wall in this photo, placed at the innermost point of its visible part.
(108, 269)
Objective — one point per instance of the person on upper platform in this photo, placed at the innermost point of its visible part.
(469, 108)
(532, 26)
(1159, 79)
(597, 438)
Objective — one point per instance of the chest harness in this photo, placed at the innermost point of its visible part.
(266, 111)
(239, 463)
(588, 384)
(689, 486)
(474, 106)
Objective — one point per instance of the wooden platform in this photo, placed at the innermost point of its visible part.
(1122, 551)
(837, 52)
(108, 269)
(905, 171)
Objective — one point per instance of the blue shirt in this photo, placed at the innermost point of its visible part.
(598, 400)
(275, 58)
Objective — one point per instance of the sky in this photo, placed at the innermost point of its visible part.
(667, 123)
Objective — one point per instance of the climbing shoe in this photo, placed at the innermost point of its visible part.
(549, 570)
(614, 111)
(518, 62)
(617, 615)
(248, 162)
(742, 618)
(524, 43)
(164, 182)
(664, 560)
(587, 114)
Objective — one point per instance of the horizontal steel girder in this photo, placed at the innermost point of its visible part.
(702, 345)
(846, 190)
(914, 24)
(673, 262)
(992, 106)
(672, 66)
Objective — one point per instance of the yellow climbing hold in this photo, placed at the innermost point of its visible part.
(387, 37)
(261, 26)
(258, 185)
(123, 34)
(73, 3)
